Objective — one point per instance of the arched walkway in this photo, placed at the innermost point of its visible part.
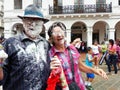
(17, 28)
(78, 30)
(100, 31)
(117, 30)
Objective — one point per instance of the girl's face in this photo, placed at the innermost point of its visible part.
(90, 52)
(58, 36)
(33, 27)
(95, 43)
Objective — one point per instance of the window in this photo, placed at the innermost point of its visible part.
(59, 2)
(101, 1)
(118, 2)
(38, 3)
(17, 4)
(78, 2)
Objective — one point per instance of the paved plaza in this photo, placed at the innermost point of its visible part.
(113, 83)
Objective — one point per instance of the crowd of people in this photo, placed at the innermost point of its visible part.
(33, 63)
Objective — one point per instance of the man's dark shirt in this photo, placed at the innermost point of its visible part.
(27, 66)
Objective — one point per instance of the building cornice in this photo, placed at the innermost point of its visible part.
(102, 15)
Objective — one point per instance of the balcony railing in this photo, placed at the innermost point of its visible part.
(73, 9)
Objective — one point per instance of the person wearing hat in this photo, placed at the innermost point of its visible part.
(28, 65)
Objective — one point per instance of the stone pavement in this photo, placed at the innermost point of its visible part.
(113, 83)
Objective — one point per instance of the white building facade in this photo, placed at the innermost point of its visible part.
(1, 18)
(86, 19)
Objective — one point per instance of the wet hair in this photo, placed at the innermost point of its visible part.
(88, 49)
(56, 24)
(111, 41)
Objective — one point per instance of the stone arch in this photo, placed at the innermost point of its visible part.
(117, 30)
(78, 30)
(17, 28)
(100, 31)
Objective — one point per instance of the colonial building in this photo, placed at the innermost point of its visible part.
(87, 19)
(1, 18)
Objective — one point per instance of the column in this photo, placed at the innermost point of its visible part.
(46, 26)
(111, 33)
(7, 28)
(68, 35)
(89, 36)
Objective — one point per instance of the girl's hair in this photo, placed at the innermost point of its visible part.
(56, 24)
(111, 41)
(88, 49)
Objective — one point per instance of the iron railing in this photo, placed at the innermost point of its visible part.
(73, 9)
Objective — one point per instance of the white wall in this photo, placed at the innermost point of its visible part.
(8, 5)
(10, 15)
(50, 2)
(66, 2)
(89, 1)
(45, 8)
(26, 3)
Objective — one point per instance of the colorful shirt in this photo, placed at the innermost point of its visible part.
(113, 48)
(27, 66)
(87, 60)
(118, 49)
(95, 49)
(65, 60)
(104, 48)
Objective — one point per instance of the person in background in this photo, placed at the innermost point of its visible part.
(96, 52)
(28, 64)
(89, 62)
(118, 52)
(77, 44)
(83, 47)
(106, 41)
(112, 57)
(66, 54)
(104, 50)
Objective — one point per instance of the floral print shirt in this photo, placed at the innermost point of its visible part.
(65, 60)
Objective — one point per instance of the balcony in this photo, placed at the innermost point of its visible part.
(76, 9)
